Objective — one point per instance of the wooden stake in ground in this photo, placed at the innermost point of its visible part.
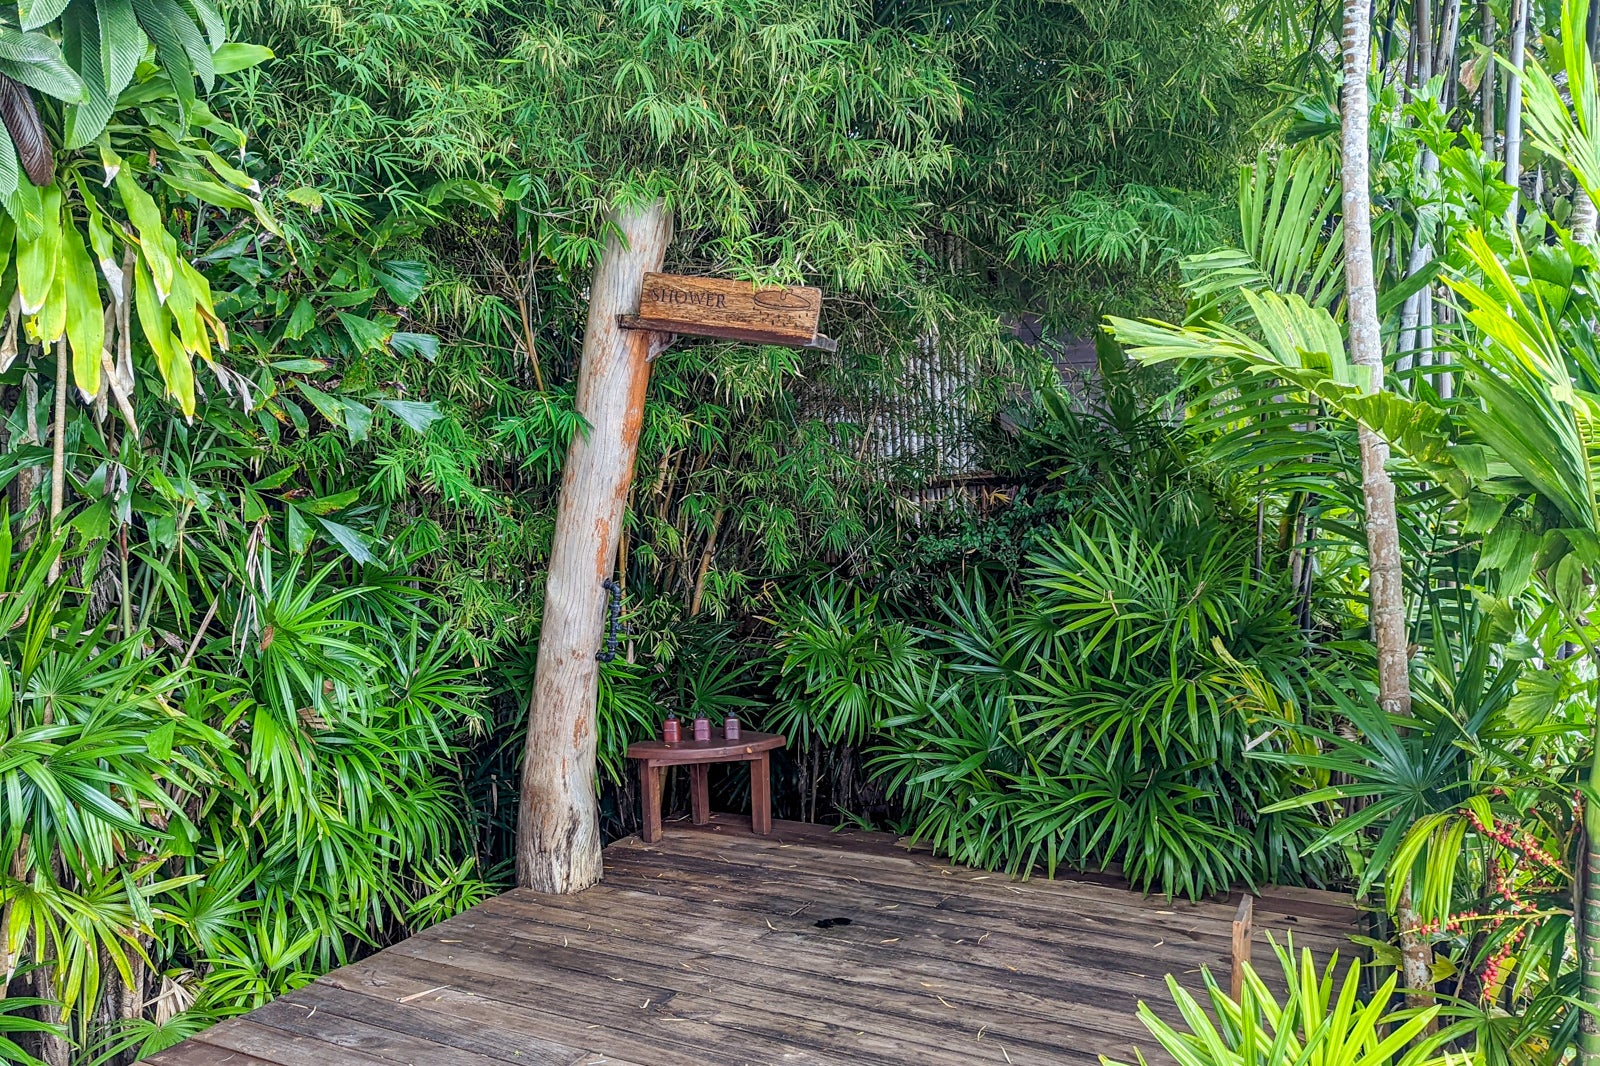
(558, 826)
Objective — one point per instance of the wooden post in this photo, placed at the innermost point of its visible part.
(761, 794)
(652, 780)
(558, 825)
(700, 792)
(1243, 932)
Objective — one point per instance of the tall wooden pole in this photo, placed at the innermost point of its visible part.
(558, 825)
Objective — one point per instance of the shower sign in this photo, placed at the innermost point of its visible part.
(732, 310)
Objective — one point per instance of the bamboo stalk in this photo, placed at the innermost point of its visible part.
(706, 555)
(1486, 87)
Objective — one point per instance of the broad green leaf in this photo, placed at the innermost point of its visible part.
(103, 246)
(301, 319)
(154, 321)
(159, 248)
(10, 171)
(36, 61)
(50, 323)
(350, 297)
(194, 45)
(297, 417)
(425, 345)
(277, 479)
(357, 418)
(210, 20)
(210, 191)
(24, 204)
(122, 44)
(327, 505)
(305, 197)
(299, 366)
(299, 530)
(8, 241)
(236, 56)
(183, 305)
(369, 336)
(200, 289)
(231, 173)
(357, 545)
(327, 406)
(38, 258)
(414, 413)
(175, 38)
(94, 521)
(180, 377)
(86, 331)
(402, 279)
(158, 742)
(32, 14)
(80, 40)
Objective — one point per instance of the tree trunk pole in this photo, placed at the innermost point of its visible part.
(1387, 591)
(58, 446)
(58, 450)
(1487, 123)
(558, 826)
(1513, 172)
(1587, 898)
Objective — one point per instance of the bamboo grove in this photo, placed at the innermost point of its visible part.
(295, 298)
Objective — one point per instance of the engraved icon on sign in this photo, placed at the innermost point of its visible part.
(783, 299)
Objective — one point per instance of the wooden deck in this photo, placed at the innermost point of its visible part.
(714, 946)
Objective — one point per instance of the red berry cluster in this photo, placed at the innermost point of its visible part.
(1515, 839)
(1514, 906)
(1492, 969)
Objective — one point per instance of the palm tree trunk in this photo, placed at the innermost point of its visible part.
(1513, 171)
(1387, 591)
(558, 824)
(1584, 216)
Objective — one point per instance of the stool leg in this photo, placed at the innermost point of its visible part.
(650, 780)
(700, 792)
(761, 795)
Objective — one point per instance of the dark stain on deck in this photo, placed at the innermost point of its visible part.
(715, 947)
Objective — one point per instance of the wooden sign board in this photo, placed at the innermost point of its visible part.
(733, 310)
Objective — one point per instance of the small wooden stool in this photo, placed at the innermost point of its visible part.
(655, 757)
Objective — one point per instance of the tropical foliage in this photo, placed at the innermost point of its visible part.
(1320, 1020)
(267, 634)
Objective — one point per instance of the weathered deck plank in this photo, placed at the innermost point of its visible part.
(704, 949)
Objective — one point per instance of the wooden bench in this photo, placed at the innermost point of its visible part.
(655, 757)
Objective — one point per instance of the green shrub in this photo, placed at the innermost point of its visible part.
(1103, 716)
